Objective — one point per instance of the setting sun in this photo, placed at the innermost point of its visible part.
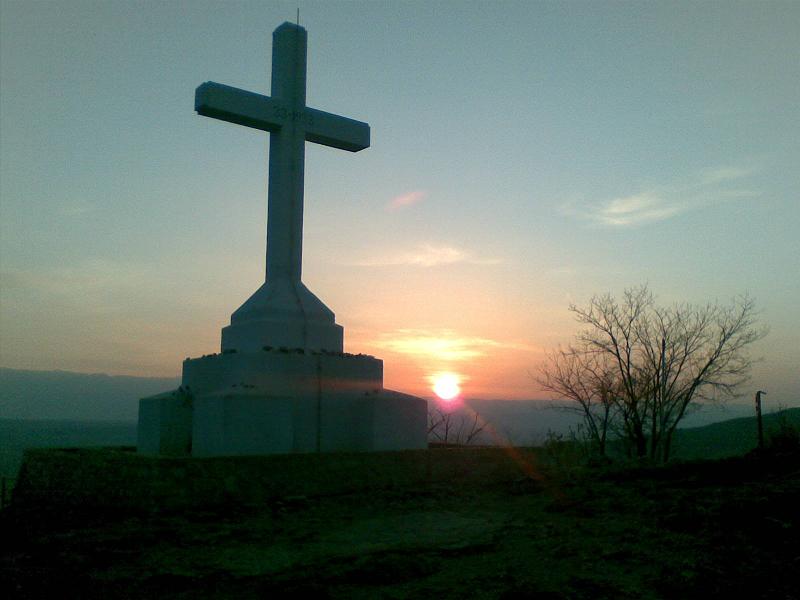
(446, 385)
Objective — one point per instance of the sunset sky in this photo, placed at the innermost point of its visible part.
(525, 156)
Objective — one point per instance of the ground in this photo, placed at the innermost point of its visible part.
(703, 529)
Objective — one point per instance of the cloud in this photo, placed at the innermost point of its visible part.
(709, 187)
(563, 270)
(444, 344)
(77, 208)
(406, 200)
(635, 210)
(723, 174)
(428, 255)
(91, 276)
(93, 289)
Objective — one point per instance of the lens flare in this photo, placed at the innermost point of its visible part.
(446, 385)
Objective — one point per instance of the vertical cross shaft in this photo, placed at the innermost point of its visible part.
(287, 157)
(283, 312)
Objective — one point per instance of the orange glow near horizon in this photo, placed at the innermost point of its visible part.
(492, 368)
(444, 346)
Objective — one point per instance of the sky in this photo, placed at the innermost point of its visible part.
(525, 156)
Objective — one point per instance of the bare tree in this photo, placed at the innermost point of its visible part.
(637, 367)
(454, 427)
(588, 380)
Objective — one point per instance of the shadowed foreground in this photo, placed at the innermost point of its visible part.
(702, 529)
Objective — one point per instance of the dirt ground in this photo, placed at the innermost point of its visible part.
(705, 529)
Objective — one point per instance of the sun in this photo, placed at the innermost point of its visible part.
(446, 385)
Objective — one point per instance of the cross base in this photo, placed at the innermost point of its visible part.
(283, 314)
(274, 402)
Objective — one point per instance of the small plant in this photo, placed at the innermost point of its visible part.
(785, 436)
(454, 428)
(569, 453)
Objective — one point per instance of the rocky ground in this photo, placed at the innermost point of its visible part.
(705, 529)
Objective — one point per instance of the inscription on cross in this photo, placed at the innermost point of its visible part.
(291, 123)
(283, 312)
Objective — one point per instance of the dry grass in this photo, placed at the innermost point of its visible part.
(706, 529)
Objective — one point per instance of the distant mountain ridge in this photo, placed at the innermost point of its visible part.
(733, 437)
(66, 395)
(26, 394)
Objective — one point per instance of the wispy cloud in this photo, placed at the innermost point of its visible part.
(444, 344)
(635, 210)
(562, 270)
(406, 200)
(86, 278)
(428, 255)
(92, 287)
(708, 187)
(77, 208)
(724, 174)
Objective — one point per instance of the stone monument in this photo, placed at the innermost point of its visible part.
(282, 382)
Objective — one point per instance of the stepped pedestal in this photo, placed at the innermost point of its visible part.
(281, 401)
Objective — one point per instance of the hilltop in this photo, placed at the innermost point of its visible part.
(702, 529)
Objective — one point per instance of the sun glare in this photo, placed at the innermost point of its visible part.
(446, 385)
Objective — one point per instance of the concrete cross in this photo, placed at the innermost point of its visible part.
(291, 124)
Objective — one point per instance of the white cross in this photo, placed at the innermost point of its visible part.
(291, 124)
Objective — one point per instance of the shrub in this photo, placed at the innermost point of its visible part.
(785, 437)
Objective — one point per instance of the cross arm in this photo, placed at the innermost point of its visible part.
(237, 106)
(339, 132)
(263, 112)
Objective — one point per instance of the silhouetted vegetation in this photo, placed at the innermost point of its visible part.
(636, 367)
(453, 428)
(784, 436)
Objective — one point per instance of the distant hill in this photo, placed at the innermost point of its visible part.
(75, 396)
(527, 422)
(521, 422)
(728, 438)
(60, 408)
